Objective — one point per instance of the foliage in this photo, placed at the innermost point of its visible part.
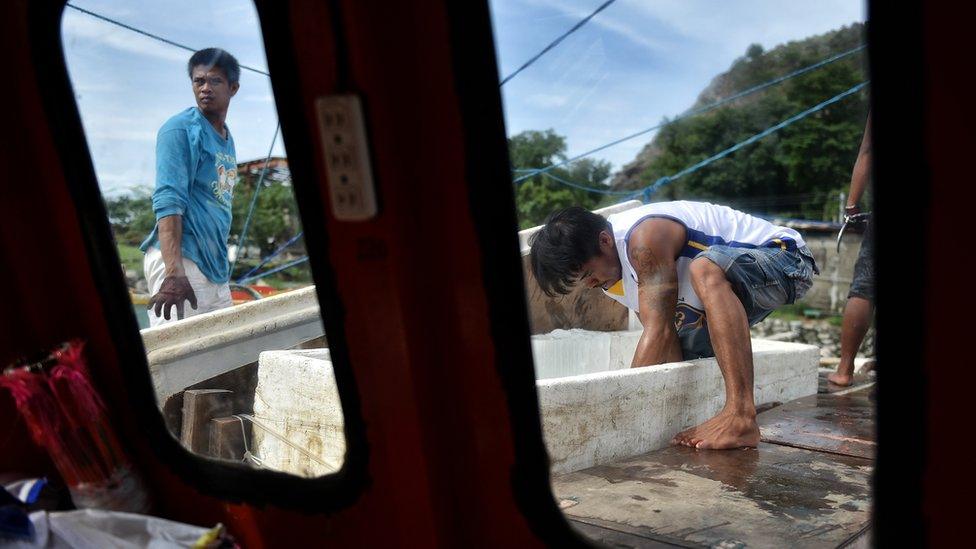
(131, 216)
(275, 219)
(131, 257)
(537, 196)
(796, 172)
(274, 222)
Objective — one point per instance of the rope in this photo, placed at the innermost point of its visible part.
(648, 191)
(272, 256)
(556, 42)
(288, 265)
(248, 456)
(282, 438)
(584, 187)
(254, 200)
(700, 110)
(150, 35)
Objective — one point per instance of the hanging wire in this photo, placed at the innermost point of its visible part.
(149, 34)
(290, 264)
(650, 190)
(272, 255)
(242, 241)
(556, 42)
(698, 111)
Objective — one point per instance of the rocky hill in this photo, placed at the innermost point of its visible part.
(755, 67)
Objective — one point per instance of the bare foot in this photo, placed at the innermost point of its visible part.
(842, 380)
(723, 432)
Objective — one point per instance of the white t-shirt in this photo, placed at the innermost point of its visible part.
(705, 225)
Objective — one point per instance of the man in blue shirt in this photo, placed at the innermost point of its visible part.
(196, 170)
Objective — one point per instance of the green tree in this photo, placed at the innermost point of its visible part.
(795, 172)
(275, 219)
(539, 195)
(131, 216)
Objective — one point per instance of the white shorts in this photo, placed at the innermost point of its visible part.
(210, 295)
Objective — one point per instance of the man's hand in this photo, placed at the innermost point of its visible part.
(173, 291)
(851, 211)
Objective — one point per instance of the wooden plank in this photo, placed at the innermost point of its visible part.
(622, 535)
(199, 407)
(836, 423)
(771, 496)
(228, 436)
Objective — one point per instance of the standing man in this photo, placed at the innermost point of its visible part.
(697, 274)
(860, 298)
(196, 169)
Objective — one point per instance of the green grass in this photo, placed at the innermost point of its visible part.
(131, 257)
(796, 312)
(300, 276)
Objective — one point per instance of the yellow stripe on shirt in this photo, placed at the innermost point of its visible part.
(617, 289)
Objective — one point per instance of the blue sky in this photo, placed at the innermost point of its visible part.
(634, 63)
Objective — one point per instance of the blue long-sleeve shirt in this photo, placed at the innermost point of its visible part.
(196, 170)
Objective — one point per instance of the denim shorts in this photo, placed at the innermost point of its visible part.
(862, 284)
(762, 278)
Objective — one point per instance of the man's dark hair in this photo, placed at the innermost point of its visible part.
(569, 238)
(216, 57)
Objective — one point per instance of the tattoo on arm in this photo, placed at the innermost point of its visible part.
(657, 286)
(657, 281)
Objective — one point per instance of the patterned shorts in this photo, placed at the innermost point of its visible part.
(762, 278)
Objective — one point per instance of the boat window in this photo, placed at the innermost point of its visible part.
(178, 111)
(735, 130)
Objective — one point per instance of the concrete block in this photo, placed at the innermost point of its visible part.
(298, 422)
(598, 417)
(563, 353)
(595, 408)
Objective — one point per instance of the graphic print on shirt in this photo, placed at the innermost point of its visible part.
(688, 317)
(223, 187)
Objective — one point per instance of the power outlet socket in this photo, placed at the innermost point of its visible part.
(346, 153)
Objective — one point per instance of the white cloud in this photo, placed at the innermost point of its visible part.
(258, 98)
(80, 30)
(547, 100)
(606, 20)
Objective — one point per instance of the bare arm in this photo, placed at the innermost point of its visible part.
(175, 289)
(862, 169)
(171, 244)
(651, 250)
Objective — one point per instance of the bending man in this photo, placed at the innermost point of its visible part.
(697, 274)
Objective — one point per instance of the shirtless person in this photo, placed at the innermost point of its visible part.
(860, 299)
(697, 274)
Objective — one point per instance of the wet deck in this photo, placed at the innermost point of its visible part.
(806, 485)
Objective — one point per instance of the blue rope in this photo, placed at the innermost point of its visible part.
(698, 111)
(556, 42)
(272, 256)
(254, 200)
(584, 187)
(650, 190)
(150, 35)
(288, 265)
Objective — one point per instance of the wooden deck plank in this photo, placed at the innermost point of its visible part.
(772, 496)
(836, 423)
